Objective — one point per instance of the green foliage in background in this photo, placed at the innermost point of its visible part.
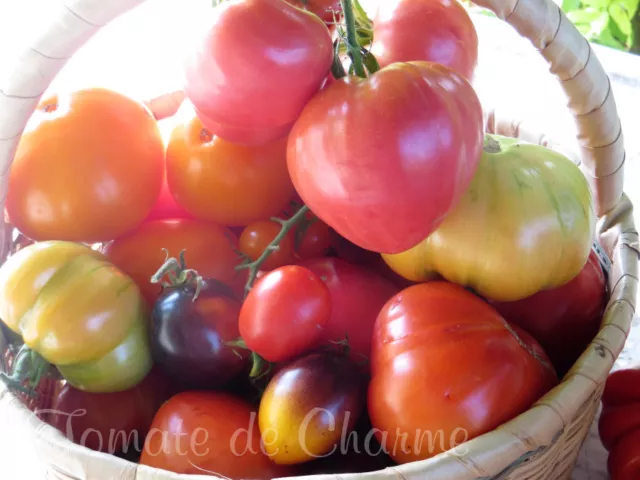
(613, 23)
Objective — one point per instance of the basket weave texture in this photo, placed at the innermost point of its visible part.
(542, 443)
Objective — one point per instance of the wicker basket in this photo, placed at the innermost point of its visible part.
(541, 444)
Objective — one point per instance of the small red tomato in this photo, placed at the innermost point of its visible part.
(208, 433)
(249, 89)
(438, 31)
(565, 319)
(256, 237)
(624, 460)
(284, 314)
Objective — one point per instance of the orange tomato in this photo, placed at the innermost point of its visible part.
(88, 168)
(209, 249)
(223, 182)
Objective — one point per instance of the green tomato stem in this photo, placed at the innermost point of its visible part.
(286, 225)
(29, 366)
(353, 46)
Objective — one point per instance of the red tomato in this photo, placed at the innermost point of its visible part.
(566, 319)
(88, 168)
(223, 182)
(257, 236)
(312, 239)
(415, 135)
(284, 314)
(622, 387)
(166, 207)
(624, 460)
(441, 344)
(110, 422)
(249, 89)
(357, 295)
(329, 11)
(208, 433)
(209, 249)
(438, 31)
(616, 421)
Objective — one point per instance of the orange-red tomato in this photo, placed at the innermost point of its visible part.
(223, 182)
(209, 249)
(257, 236)
(208, 433)
(445, 368)
(88, 168)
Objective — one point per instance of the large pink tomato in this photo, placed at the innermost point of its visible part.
(255, 67)
(382, 160)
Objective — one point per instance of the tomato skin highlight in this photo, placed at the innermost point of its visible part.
(208, 433)
(188, 336)
(440, 343)
(250, 89)
(564, 319)
(307, 407)
(379, 189)
(439, 31)
(284, 314)
(357, 295)
(225, 183)
(209, 249)
(88, 168)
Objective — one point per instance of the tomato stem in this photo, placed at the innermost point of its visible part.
(29, 366)
(353, 47)
(178, 273)
(286, 226)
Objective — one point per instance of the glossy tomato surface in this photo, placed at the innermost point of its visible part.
(414, 133)
(249, 89)
(438, 31)
(357, 295)
(208, 433)
(222, 182)
(88, 168)
(189, 335)
(443, 345)
(565, 319)
(309, 406)
(115, 423)
(79, 312)
(285, 313)
(209, 249)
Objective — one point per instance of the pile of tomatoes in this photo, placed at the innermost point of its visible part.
(326, 267)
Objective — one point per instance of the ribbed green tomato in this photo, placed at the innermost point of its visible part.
(79, 312)
(525, 224)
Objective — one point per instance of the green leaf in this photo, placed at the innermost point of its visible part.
(571, 5)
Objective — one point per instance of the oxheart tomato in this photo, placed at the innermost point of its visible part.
(284, 313)
(109, 422)
(309, 405)
(88, 168)
(438, 31)
(525, 224)
(222, 182)
(564, 319)
(357, 295)
(209, 249)
(208, 433)
(189, 330)
(382, 160)
(249, 89)
(624, 460)
(470, 370)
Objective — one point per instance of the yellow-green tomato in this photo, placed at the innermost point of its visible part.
(525, 224)
(309, 408)
(79, 312)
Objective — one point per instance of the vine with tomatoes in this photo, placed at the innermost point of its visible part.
(327, 228)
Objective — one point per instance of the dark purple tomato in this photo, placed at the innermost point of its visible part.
(189, 337)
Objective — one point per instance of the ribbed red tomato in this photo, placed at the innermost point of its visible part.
(382, 160)
(446, 366)
(431, 30)
(249, 88)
